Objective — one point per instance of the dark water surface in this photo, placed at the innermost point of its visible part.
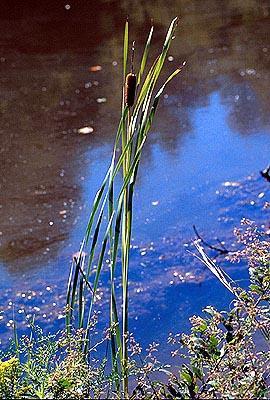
(200, 166)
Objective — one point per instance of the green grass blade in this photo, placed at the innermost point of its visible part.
(100, 192)
(145, 56)
(81, 294)
(125, 54)
(102, 252)
(68, 298)
(95, 206)
(98, 271)
(74, 285)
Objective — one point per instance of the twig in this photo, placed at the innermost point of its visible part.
(220, 250)
(265, 173)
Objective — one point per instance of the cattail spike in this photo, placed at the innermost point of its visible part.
(130, 89)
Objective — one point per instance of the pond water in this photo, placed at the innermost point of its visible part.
(200, 166)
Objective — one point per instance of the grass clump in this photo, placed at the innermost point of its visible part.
(41, 366)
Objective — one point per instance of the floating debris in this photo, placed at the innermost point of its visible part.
(231, 184)
(251, 71)
(95, 68)
(86, 130)
(248, 71)
(101, 100)
(62, 212)
(87, 85)
(155, 203)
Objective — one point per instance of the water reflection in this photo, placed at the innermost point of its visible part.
(49, 92)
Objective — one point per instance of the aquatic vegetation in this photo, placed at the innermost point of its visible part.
(111, 233)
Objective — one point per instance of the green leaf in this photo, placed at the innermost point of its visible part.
(186, 377)
(64, 383)
(198, 372)
(256, 289)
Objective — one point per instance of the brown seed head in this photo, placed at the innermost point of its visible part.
(130, 89)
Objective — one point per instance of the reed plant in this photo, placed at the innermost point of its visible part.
(110, 222)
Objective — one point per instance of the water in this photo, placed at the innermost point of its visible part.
(213, 127)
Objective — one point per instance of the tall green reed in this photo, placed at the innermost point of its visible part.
(110, 222)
